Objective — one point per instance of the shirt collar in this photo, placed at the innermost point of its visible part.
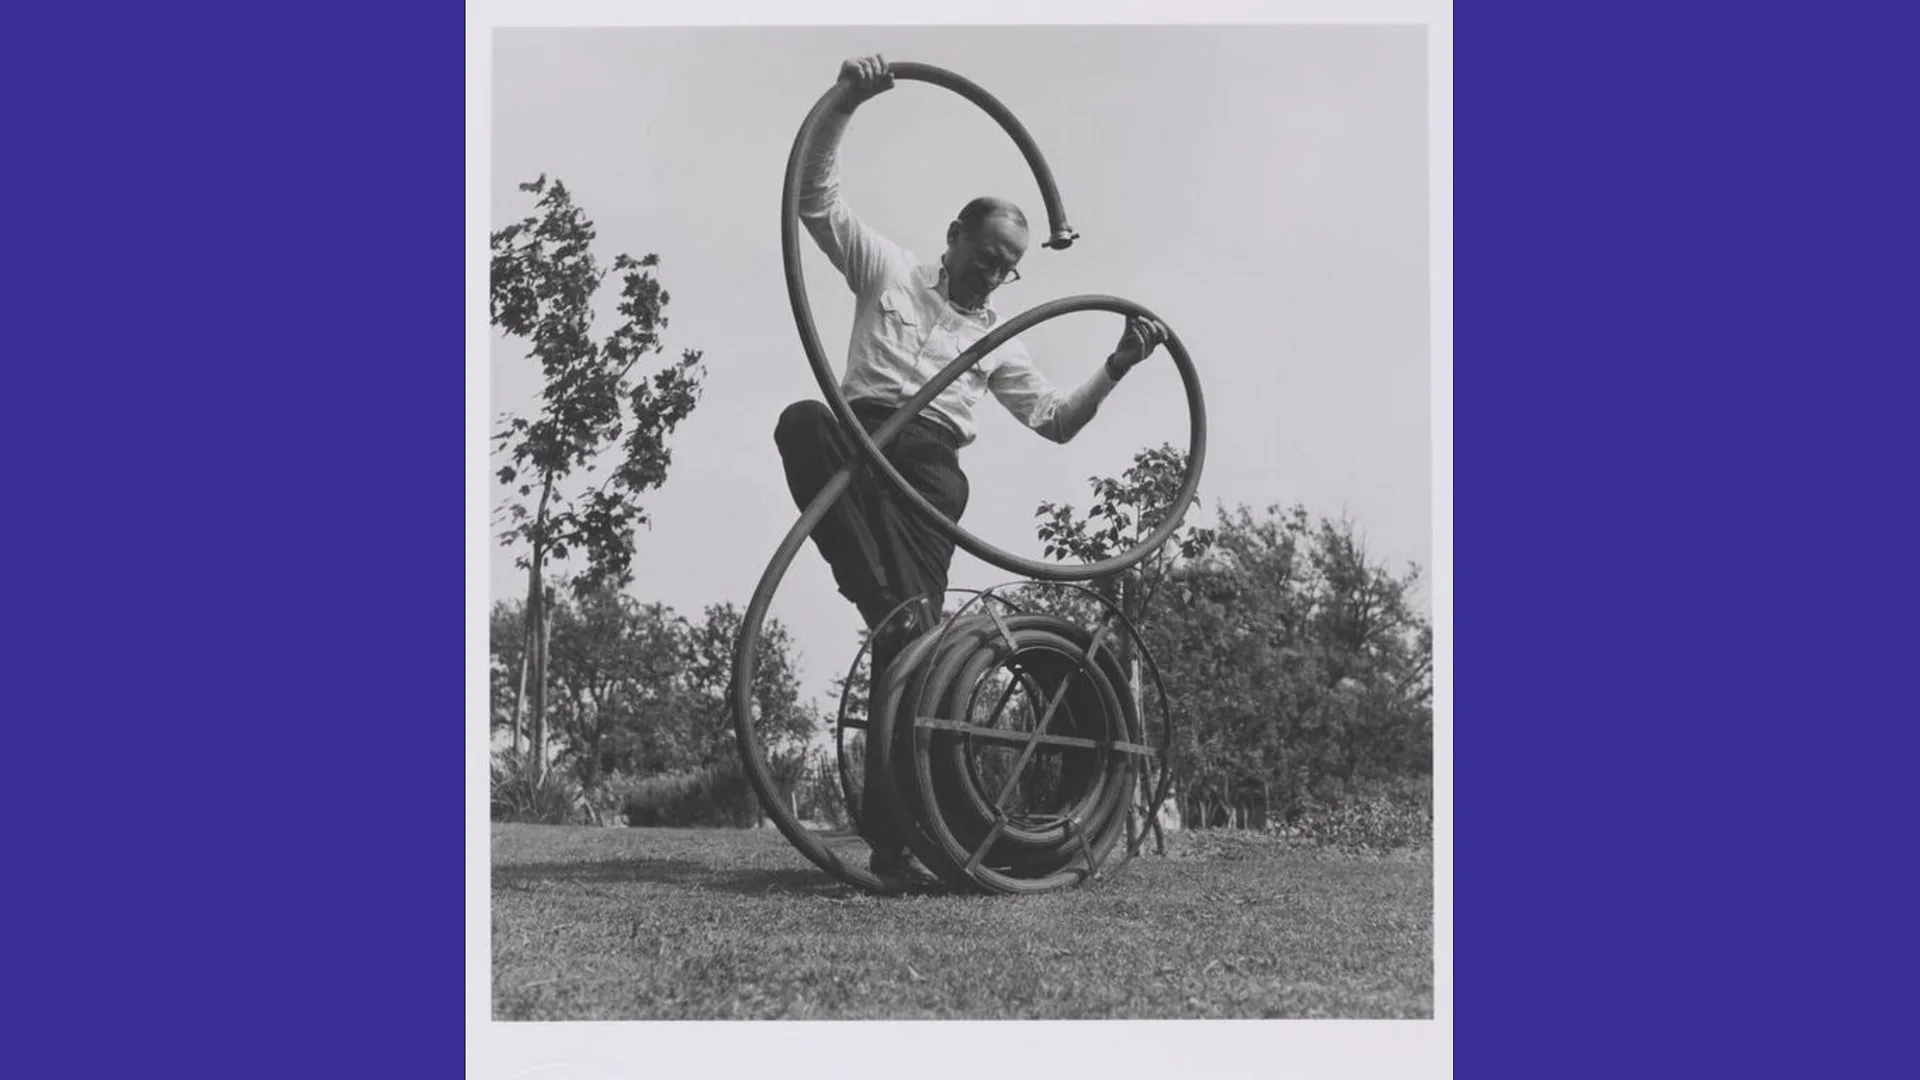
(934, 276)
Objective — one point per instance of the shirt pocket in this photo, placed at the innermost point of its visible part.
(899, 320)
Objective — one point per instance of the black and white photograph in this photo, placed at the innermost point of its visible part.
(960, 519)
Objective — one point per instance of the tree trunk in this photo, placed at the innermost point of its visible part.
(1146, 778)
(520, 698)
(537, 626)
(590, 770)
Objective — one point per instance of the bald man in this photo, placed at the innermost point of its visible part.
(911, 319)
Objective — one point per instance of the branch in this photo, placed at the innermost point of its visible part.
(639, 354)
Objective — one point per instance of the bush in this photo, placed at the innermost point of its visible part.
(715, 795)
(818, 798)
(555, 800)
(608, 799)
(1382, 815)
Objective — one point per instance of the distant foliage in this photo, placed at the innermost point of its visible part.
(552, 799)
(713, 795)
(1302, 667)
(819, 797)
(1380, 815)
(640, 695)
(716, 794)
(1299, 667)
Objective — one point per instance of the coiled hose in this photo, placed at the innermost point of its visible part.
(970, 839)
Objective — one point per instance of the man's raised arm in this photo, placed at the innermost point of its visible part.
(860, 254)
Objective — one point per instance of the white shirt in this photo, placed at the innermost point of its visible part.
(905, 330)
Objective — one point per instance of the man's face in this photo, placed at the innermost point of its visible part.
(979, 263)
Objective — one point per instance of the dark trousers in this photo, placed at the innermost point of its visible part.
(881, 552)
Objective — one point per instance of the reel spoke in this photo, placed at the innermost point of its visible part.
(995, 734)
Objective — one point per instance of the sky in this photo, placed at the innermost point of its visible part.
(1263, 189)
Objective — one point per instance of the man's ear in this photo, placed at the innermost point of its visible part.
(953, 233)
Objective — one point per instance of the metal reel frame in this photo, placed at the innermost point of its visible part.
(957, 827)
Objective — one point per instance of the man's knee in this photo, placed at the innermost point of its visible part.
(801, 424)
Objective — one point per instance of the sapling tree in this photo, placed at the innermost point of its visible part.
(600, 411)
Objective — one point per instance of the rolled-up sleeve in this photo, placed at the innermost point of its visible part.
(862, 256)
(1019, 386)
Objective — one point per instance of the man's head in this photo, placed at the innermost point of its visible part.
(984, 246)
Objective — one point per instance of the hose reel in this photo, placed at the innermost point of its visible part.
(1010, 742)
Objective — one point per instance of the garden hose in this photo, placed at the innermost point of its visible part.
(1080, 702)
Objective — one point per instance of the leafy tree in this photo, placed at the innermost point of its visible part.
(1301, 662)
(1124, 513)
(1377, 653)
(616, 665)
(783, 722)
(640, 691)
(544, 278)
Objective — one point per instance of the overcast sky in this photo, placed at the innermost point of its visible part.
(1263, 189)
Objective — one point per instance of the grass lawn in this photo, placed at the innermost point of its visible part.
(684, 924)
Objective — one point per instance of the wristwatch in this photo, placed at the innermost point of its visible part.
(1115, 371)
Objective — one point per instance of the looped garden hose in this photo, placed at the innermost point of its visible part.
(1033, 828)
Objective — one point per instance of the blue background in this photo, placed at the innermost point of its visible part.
(1685, 295)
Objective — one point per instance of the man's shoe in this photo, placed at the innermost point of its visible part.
(900, 870)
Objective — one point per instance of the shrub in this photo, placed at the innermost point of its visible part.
(1381, 815)
(555, 800)
(714, 795)
(608, 798)
(818, 798)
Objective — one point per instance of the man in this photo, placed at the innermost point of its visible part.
(910, 321)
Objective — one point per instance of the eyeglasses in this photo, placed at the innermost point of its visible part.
(1001, 274)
